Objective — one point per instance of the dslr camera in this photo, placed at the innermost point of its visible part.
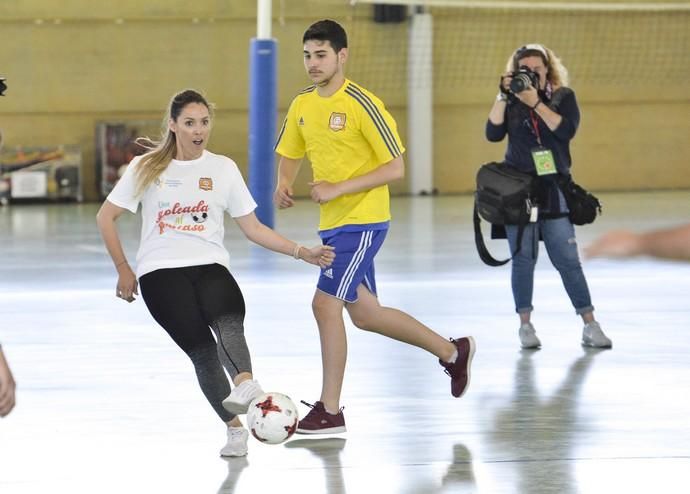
(522, 79)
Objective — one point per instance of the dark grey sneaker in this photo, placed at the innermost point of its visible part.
(528, 336)
(319, 421)
(593, 336)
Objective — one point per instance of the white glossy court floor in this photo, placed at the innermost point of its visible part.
(107, 404)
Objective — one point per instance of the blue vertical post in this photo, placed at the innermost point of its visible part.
(262, 126)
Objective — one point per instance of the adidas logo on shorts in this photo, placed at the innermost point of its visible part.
(328, 273)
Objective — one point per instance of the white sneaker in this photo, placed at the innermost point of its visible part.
(239, 398)
(237, 442)
(594, 337)
(528, 336)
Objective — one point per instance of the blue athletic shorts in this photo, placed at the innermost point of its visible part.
(353, 264)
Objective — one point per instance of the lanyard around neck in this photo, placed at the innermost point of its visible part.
(535, 125)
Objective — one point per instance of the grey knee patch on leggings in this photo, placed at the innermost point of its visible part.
(232, 346)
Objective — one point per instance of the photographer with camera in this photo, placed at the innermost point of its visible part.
(539, 114)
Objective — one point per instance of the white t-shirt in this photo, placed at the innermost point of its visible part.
(182, 212)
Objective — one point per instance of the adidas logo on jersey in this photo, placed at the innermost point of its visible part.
(301, 121)
(328, 273)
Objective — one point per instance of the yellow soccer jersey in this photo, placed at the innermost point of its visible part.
(345, 135)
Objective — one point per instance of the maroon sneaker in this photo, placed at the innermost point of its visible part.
(459, 371)
(319, 421)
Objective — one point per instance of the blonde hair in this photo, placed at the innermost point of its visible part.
(162, 152)
(556, 73)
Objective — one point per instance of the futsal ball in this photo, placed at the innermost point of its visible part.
(272, 418)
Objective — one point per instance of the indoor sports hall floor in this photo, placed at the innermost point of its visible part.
(107, 404)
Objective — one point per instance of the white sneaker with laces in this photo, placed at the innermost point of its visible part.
(593, 336)
(528, 336)
(239, 398)
(237, 442)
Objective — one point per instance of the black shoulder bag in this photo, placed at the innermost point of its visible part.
(504, 196)
(583, 206)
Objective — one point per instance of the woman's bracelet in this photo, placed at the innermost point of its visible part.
(120, 263)
(536, 104)
(295, 251)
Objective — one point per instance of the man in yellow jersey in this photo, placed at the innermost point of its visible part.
(355, 151)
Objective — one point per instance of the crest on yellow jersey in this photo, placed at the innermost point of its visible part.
(337, 121)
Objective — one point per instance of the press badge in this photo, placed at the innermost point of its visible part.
(543, 161)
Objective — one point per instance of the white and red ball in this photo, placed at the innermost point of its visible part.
(272, 418)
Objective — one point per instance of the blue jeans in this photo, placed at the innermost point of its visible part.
(559, 239)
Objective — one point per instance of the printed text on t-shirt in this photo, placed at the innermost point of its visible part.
(177, 209)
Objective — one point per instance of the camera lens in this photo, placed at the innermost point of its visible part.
(520, 82)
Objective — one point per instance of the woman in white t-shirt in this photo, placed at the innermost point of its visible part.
(7, 384)
(182, 265)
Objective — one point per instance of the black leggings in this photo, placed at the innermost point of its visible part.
(187, 302)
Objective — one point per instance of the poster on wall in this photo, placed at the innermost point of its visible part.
(40, 173)
(115, 148)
